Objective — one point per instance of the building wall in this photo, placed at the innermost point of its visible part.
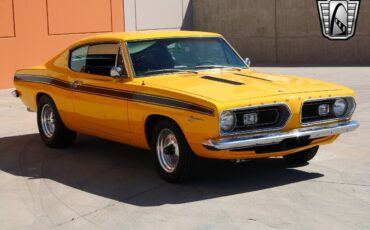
(286, 32)
(158, 14)
(32, 31)
(283, 32)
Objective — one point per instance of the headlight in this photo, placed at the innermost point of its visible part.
(227, 121)
(340, 107)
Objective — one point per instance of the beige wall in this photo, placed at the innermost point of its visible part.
(156, 14)
(284, 32)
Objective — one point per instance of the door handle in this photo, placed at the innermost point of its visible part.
(75, 84)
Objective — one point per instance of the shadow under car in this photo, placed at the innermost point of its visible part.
(126, 174)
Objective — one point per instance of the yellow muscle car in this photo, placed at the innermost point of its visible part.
(182, 95)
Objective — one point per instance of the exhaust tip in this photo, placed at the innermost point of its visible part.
(15, 93)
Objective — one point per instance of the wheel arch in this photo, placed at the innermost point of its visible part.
(40, 94)
(150, 123)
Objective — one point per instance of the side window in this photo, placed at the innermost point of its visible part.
(101, 58)
(97, 59)
(78, 59)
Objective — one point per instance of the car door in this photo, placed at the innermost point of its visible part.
(98, 108)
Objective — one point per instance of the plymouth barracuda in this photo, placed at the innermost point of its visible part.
(182, 95)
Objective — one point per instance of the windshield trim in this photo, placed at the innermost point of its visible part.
(202, 70)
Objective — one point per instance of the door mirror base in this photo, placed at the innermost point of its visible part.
(116, 72)
(248, 61)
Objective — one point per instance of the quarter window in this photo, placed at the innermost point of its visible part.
(78, 59)
(97, 59)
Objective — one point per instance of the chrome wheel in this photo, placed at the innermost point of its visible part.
(168, 150)
(48, 120)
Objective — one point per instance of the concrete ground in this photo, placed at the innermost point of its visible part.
(99, 184)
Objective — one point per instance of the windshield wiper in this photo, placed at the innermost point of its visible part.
(217, 67)
(170, 71)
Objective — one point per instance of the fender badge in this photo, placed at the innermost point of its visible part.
(193, 119)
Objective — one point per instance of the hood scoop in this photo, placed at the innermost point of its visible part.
(244, 75)
(222, 80)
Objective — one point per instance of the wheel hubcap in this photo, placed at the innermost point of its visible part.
(168, 150)
(47, 120)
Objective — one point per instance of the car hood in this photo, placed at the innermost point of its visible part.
(226, 86)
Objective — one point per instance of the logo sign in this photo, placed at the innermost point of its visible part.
(338, 18)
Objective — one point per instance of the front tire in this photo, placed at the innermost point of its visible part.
(172, 156)
(51, 128)
(302, 156)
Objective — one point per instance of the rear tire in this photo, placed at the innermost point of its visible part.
(302, 156)
(51, 128)
(172, 155)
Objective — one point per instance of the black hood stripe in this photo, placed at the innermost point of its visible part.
(118, 94)
(222, 80)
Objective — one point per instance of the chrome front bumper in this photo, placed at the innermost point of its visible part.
(314, 132)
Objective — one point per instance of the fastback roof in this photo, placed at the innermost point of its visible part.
(127, 36)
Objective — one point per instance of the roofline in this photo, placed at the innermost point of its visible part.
(135, 36)
(144, 35)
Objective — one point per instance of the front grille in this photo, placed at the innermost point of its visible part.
(269, 117)
(310, 110)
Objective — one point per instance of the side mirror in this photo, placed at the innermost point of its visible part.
(248, 62)
(116, 72)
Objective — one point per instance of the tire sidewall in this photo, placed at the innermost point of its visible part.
(185, 158)
(302, 156)
(62, 136)
(41, 103)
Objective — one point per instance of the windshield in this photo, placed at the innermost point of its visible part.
(151, 57)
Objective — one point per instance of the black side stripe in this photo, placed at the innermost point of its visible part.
(222, 80)
(43, 80)
(118, 94)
